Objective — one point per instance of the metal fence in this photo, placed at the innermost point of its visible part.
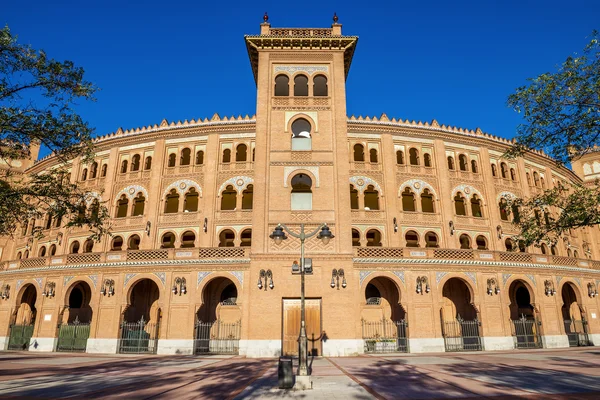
(217, 337)
(73, 336)
(461, 335)
(138, 337)
(526, 333)
(385, 336)
(20, 336)
(576, 331)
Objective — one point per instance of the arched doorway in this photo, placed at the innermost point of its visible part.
(573, 317)
(74, 328)
(460, 323)
(21, 328)
(524, 322)
(141, 319)
(384, 326)
(218, 319)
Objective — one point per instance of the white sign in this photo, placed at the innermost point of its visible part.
(418, 253)
(486, 255)
(48, 317)
(56, 260)
(542, 259)
(114, 257)
(593, 315)
(183, 254)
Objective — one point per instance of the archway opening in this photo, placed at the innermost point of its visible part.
(26, 311)
(573, 317)
(520, 301)
(383, 293)
(460, 325)
(457, 301)
(143, 302)
(219, 302)
(78, 304)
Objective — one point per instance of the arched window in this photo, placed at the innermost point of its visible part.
(459, 204)
(199, 157)
(450, 163)
(513, 174)
(301, 192)
(522, 247)
(320, 85)
(494, 173)
(248, 197)
(542, 182)
(134, 242)
(427, 201)
(94, 170)
(282, 85)
(135, 163)
(104, 170)
(190, 202)
(167, 241)
(300, 85)
(355, 238)
(373, 155)
(42, 251)
(19, 255)
(186, 157)
(172, 202)
(575, 254)
(481, 242)
(84, 174)
(462, 162)
(139, 203)
(465, 241)
(400, 157)
(371, 198)
(476, 206)
(95, 209)
(301, 130)
(569, 253)
(544, 248)
(503, 170)
(413, 155)
(122, 205)
(408, 200)
(431, 240)
(74, 247)
(412, 239)
(528, 178)
(116, 244)
(48, 221)
(26, 254)
(508, 244)
(536, 179)
(88, 246)
(188, 239)
(373, 238)
(52, 251)
(172, 158)
(241, 153)
(353, 198)
(226, 238)
(124, 166)
(253, 154)
(228, 198)
(474, 167)
(427, 160)
(359, 153)
(503, 206)
(226, 156)
(553, 250)
(246, 238)
(148, 163)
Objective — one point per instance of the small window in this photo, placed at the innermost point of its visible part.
(522, 247)
(104, 169)
(503, 207)
(75, 247)
(282, 85)
(413, 156)
(138, 205)
(408, 200)
(575, 254)
(246, 238)
(459, 204)
(84, 174)
(536, 179)
(504, 170)
(301, 130)
(412, 239)
(513, 174)
(188, 239)
(431, 240)
(117, 244)
(373, 156)
(190, 202)
(494, 172)
(199, 157)
(553, 250)
(52, 251)
(228, 198)
(300, 85)
(320, 85)
(124, 166)
(226, 238)
(172, 159)
(427, 202)
(226, 156)
(544, 248)
(241, 153)
(134, 242)
(427, 160)
(400, 157)
(186, 157)
(465, 241)
(508, 244)
(462, 162)
(373, 238)
(135, 163)
(359, 153)
(528, 178)
(301, 192)
(168, 241)
(451, 163)
(88, 246)
(42, 252)
(474, 167)
(353, 198)
(94, 170)
(371, 198)
(355, 238)
(122, 205)
(476, 207)
(248, 197)
(172, 202)
(148, 163)
(481, 242)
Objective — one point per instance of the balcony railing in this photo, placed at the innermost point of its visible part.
(237, 166)
(364, 166)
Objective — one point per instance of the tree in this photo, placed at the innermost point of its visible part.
(562, 118)
(37, 96)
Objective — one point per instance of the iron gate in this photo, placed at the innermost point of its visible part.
(385, 336)
(138, 337)
(461, 335)
(217, 337)
(73, 336)
(20, 336)
(576, 331)
(526, 333)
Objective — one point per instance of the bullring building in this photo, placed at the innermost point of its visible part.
(421, 260)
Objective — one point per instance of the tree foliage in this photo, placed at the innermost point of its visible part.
(37, 99)
(562, 117)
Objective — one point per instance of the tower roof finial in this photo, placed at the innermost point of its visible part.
(266, 17)
(335, 18)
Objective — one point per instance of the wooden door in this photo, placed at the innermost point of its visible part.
(291, 326)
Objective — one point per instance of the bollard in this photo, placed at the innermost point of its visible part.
(285, 373)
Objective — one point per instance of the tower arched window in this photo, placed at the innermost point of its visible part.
(373, 156)
(528, 178)
(359, 152)
(172, 160)
(503, 207)
(122, 206)
(94, 170)
(481, 242)
(241, 153)
(355, 238)
(373, 238)
(226, 238)
(494, 172)
(124, 166)
(104, 170)
(408, 200)
(248, 197)
(116, 244)
(431, 240)
(188, 239)
(148, 163)
(504, 170)
(513, 174)
(544, 248)
(199, 157)
(459, 204)
(553, 250)
(412, 239)
(371, 198)
(476, 206)
(190, 202)
(400, 157)
(135, 163)
(167, 241)
(353, 198)
(450, 163)
(536, 179)
(246, 238)
(42, 251)
(465, 241)
(84, 174)
(52, 251)
(509, 245)
(427, 201)
(282, 85)
(74, 247)
(427, 160)
(133, 243)
(462, 162)
(320, 85)
(228, 198)
(186, 157)
(301, 130)
(301, 192)
(88, 246)
(226, 156)
(139, 202)
(172, 202)
(474, 167)
(413, 155)
(300, 85)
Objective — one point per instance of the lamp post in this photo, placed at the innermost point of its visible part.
(278, 236)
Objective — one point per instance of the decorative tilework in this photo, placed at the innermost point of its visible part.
(558, 279)
(39, 281)
(66, 280)
(239, 275)
(131, 191)
(417, 186)
(472, 277)
(532, 279)
(399, 274)
(19, 283)
(94, 279)
(128, 278)
(363, 275)
(201, 276)
(362, 182)
(183, 186)
(162, 276)
(239, 183)
(578, 280)
(467, 191)
(292, 69)
(439, 276)
(505, 278)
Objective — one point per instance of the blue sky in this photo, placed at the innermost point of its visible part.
(455, 62)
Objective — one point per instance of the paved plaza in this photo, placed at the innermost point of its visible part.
(539, 374)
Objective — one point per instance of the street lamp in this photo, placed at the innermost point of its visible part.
(279, 235)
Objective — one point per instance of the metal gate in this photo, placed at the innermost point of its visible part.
(461, 335)
(20, 336)
(576, 331)
(138, 337)
(526, 333)
(217, 337)
(73, 336)
(385, 336)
